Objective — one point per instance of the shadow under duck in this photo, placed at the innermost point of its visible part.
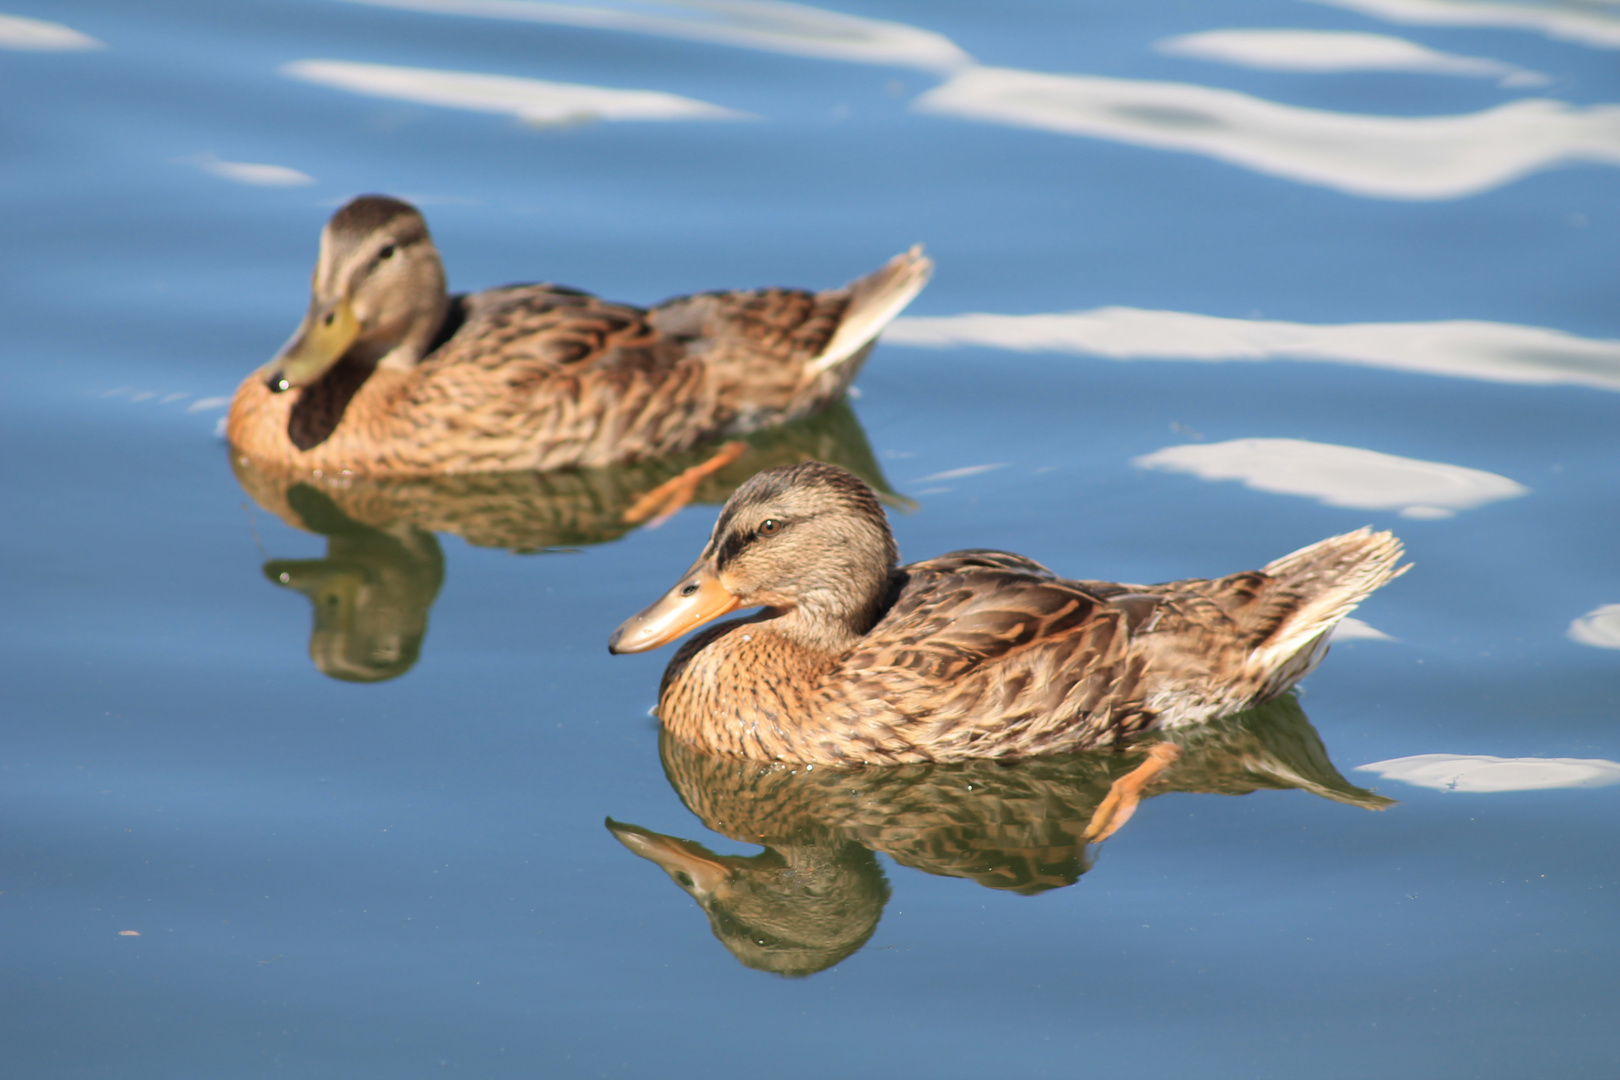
(972, 654)
(388, 374)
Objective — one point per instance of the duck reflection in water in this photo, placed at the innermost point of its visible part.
(370, 594)
(815, 894)
(383, 567)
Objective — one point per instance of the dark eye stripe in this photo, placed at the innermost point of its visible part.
(730, 548)
(738, 539)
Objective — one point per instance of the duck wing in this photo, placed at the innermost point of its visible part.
(542, 377)
(986, 559)
(542, 330)
(987, 654)
(776, 354)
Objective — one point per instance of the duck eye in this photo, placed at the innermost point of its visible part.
(386, 253)
(770, 527)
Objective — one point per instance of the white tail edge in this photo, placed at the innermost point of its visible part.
(874, 301)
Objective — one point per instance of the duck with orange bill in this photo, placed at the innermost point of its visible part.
(854, 659)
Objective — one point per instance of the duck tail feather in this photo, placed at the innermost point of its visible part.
(1324, 583)
(874, 301)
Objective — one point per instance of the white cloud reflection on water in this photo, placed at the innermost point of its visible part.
(1486, 773)
(797, 29)
(533, 101)
(37, 35)
(1599, 627)
(1339, 475)
(1467, 349)
(248, 172)
(962, 473)
(1430, 157)
(1319, 51)
(1350, 628)
(1389, 157)
(1582, 23)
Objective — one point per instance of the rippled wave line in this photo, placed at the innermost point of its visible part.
(1321, 51)
(533, 100)
(1348, 476)
(1390, 157)
(36, 35)
(1466, 349)
(1484, 773)
(1578, 23)
(1599, 627)
(796, 29)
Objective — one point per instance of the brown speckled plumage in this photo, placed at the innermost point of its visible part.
(538, 376)
(975, 653)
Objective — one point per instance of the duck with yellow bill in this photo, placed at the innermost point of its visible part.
(388, 374)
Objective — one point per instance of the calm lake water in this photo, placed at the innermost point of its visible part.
(291, 790)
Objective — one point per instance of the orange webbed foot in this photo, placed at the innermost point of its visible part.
(1126, 792)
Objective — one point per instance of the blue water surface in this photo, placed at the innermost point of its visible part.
(410, 877)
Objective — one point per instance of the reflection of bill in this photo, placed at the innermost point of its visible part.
(815, 894)
(383, 566)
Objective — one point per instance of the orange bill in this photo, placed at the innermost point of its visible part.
(696, 599)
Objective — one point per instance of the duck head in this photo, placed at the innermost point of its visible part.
(378, 294)
(807, 542)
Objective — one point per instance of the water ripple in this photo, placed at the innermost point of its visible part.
(1486, 773)
(1599, 627)
(1319, 51)
(797, 29)
(1339, 475)
(1458, 348)
(1576, 22)
(1385, 157)
(37, 35)
(247, 172)
(531, 100)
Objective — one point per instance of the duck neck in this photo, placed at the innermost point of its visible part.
(407, 350)
(831, 622)
(401, 316)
